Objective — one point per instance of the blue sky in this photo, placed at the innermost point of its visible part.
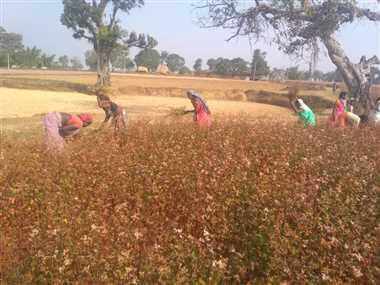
(174, 24)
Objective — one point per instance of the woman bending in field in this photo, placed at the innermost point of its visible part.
(112, 110)
(59, 126)
(202, 114)
(304, 113)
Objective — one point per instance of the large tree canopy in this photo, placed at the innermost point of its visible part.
(149, 58)
(91, 59)
(224, 66)
(10, 44)
(296, 26)
(198, 65)
(97, 21)
(76, 63)
(63, 61)
(14, 53)
(259, 65)
(175, 62)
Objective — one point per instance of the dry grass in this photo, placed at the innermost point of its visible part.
(153, 81)
(145, 95)
(130, 83)
(23, 109)
(28, 94)
(25, 103)
(156, 85)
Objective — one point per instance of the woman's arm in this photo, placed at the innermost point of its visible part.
(293, 106)
(68, 131)
(99, 101)
(108, 115)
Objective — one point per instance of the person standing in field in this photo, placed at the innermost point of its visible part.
(305, 114)
(59, 125)
(112, 110)
(202, 114)
(375, 114)
(338, 117)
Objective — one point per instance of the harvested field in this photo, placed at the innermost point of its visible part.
(24, 108)
(24, 103)
(152, 85)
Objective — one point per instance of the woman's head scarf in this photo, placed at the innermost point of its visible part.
(302, 105)
(86, 118)
(195, 96)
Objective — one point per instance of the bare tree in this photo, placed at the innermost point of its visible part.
(295, 26)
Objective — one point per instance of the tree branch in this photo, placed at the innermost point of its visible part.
(370, 15)
(113, 17)
(103, 5)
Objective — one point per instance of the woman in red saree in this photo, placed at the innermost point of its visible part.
(202, 114)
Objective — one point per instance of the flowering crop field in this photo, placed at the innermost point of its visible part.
(248, 201)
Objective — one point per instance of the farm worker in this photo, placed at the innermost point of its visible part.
(60, 125)
(339, 115)
(352, 118)
(375, 114)
(111, 109)
(304, 113)
(202, 114)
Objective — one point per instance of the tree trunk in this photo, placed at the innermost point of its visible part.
(103, 69)
(356, 83)
(253, 71)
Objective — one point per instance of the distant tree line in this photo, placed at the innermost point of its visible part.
(256, 69)
(259, 68)
(294, 73)
(13, 53)
(148, 57)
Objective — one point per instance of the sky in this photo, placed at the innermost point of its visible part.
(174, 24)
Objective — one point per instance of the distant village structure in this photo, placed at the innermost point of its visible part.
(142, 69)
(278, 75)
(163, 69)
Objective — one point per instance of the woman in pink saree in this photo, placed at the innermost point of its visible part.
(339, 115)
(59, 125)
(202, 114)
